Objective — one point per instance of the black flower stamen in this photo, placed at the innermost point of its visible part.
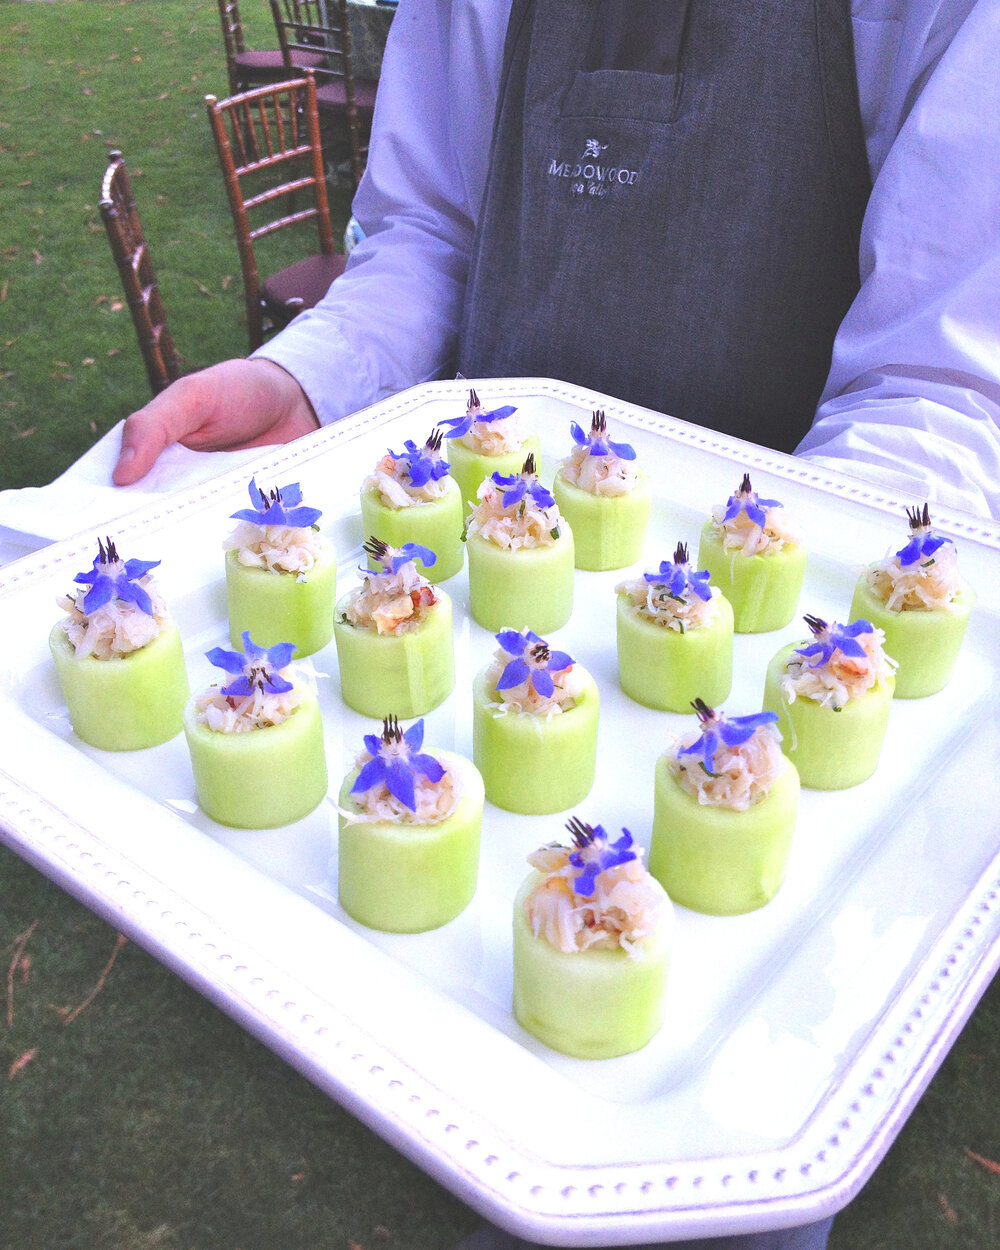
(108, 553)
(816, 623)
(598, 423)
(703, 711)
(435, 440)
(529, 464)
(474, 400)
(681, 554)
(745, 487)
(391, 731)
(582, 833)
(375, 548)
(919, 519)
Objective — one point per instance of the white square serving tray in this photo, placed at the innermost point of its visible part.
(797, 1038)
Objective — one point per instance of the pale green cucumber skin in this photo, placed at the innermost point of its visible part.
(530, 765)
(716, 860)
(402, 675)
(531, 588)
(608, 530)
(276, 607)
(124, 704)
(593, 1004)
(832, 750)
(402, 878)
(470, 469)
(437, 524)
(764, 590)
(925, 643)
(262, 778)
(667, 670)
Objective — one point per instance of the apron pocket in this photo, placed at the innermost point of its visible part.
(626, 95)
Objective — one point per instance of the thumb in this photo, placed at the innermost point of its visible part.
(143, 438)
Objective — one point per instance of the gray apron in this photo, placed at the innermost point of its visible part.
(672, 211)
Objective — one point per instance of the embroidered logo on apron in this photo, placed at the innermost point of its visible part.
(588, 175)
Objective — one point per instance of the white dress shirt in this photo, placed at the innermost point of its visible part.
(913, 397)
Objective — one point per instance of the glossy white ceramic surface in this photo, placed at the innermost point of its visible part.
(797, 1037)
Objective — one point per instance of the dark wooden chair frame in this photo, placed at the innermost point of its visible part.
(304, 26)
(255, 132)
(248, 68)
(131, 253)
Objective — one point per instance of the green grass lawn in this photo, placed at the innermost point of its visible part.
(150, 1120)
(77, 80)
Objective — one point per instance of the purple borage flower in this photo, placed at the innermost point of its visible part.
(746, 500)
(517, 485)
(676, 576)
(423, 464)
(831, 638)
(462, 425)
(531, 662)
(718, 730)
(278, 507)
(392, 559)
(595, 853)
(254, 667)
(114, 578)
(397, 761)
(923, 542)
(597, 441)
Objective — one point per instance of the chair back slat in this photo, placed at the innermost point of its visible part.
(259, 132)
(322, 25)
(135, 268)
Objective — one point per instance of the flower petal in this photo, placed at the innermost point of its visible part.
(240, 688)
(250, 648)
(414, 736)
(371, 775)
(541, 679)
(427, 766)
(231, 661)
(558, 660)
(399, 779)
(511, 640)
(514, 674)
(624, 451)
(280, 655)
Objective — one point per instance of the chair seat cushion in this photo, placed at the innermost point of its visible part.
(267, 61)
(332, 97)
(302, 285)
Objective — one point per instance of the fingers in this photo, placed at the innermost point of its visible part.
(143, 439)
(236, 403)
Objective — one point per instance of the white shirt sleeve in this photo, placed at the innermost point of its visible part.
(392, 319)
(913, 397)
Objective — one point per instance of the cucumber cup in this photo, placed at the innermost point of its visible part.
(531, 765)
(408, 878)
(530, 588)
(832, 750)
(763, 589)
(436, 523)
(282, 607)
(608, 530)
(125, 703)
(717, 860)
(925, 643)
(471, 468)
(261, 778)
(404, 674)
(591, 1004)
(665, 669)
